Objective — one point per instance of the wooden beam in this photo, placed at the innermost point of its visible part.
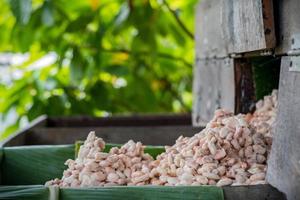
(136, 120)
(284, 162)
(269, 24)
(244, 85)
(81, 125)
(149, 135)
(288, 27)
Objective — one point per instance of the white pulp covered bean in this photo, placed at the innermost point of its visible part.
(128, 165)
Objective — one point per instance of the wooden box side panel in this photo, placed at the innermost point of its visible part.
(248, 25)
(284, 161)
(288, 23)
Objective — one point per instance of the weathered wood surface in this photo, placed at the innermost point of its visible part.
(137, 120)
(18, 137)
(284, 162)
(151, 129)
(248, 25)
(150, 135)
(213, 88)
(288, 23)
(244, 86)
(226, 27)
(269, 23)
(209, 34)
(252, 192)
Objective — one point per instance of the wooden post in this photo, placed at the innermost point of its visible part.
(288, 27)
(284, 161)
(244, 86)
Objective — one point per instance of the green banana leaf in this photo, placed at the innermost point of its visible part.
(38, 192)
(22, 168)
(29, 165)
(144, 192)
(28, 192)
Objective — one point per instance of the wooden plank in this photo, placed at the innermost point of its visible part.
(213, 88)
(252, 192)
(151, 135)
(226, 27)
(269, 23)
(284, 162)
(137, 120)
(209, 38)
(248, 25)
(244, 85)
(287, 21)
(20, 138)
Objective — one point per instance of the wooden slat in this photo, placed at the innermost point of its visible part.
(27, 135)
(288, 16)
(226, 27)
(209, 35)
(248, 25)
(137, 120)
(213, 88)
(18, 138)
(269, 23)
(284, 162)
(149, 135)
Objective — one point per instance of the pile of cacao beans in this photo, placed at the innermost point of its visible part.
(230, 150)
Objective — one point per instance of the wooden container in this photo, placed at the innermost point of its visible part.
(25, 169)
(150, 130)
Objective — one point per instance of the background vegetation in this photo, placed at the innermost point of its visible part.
(110, 56)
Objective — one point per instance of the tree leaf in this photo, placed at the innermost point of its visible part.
(21, 10)
(77, 66)
(47, 15)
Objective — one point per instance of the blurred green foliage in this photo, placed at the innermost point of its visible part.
(112, 56)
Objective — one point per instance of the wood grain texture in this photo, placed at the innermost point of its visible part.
(165, 127)
(284, 162)
(287, 21)
(244, 86)
(136, 120)
(248, 25)
(269, 23)
(213, 88)
(151, 135)
(209, 38)
(226, 27)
